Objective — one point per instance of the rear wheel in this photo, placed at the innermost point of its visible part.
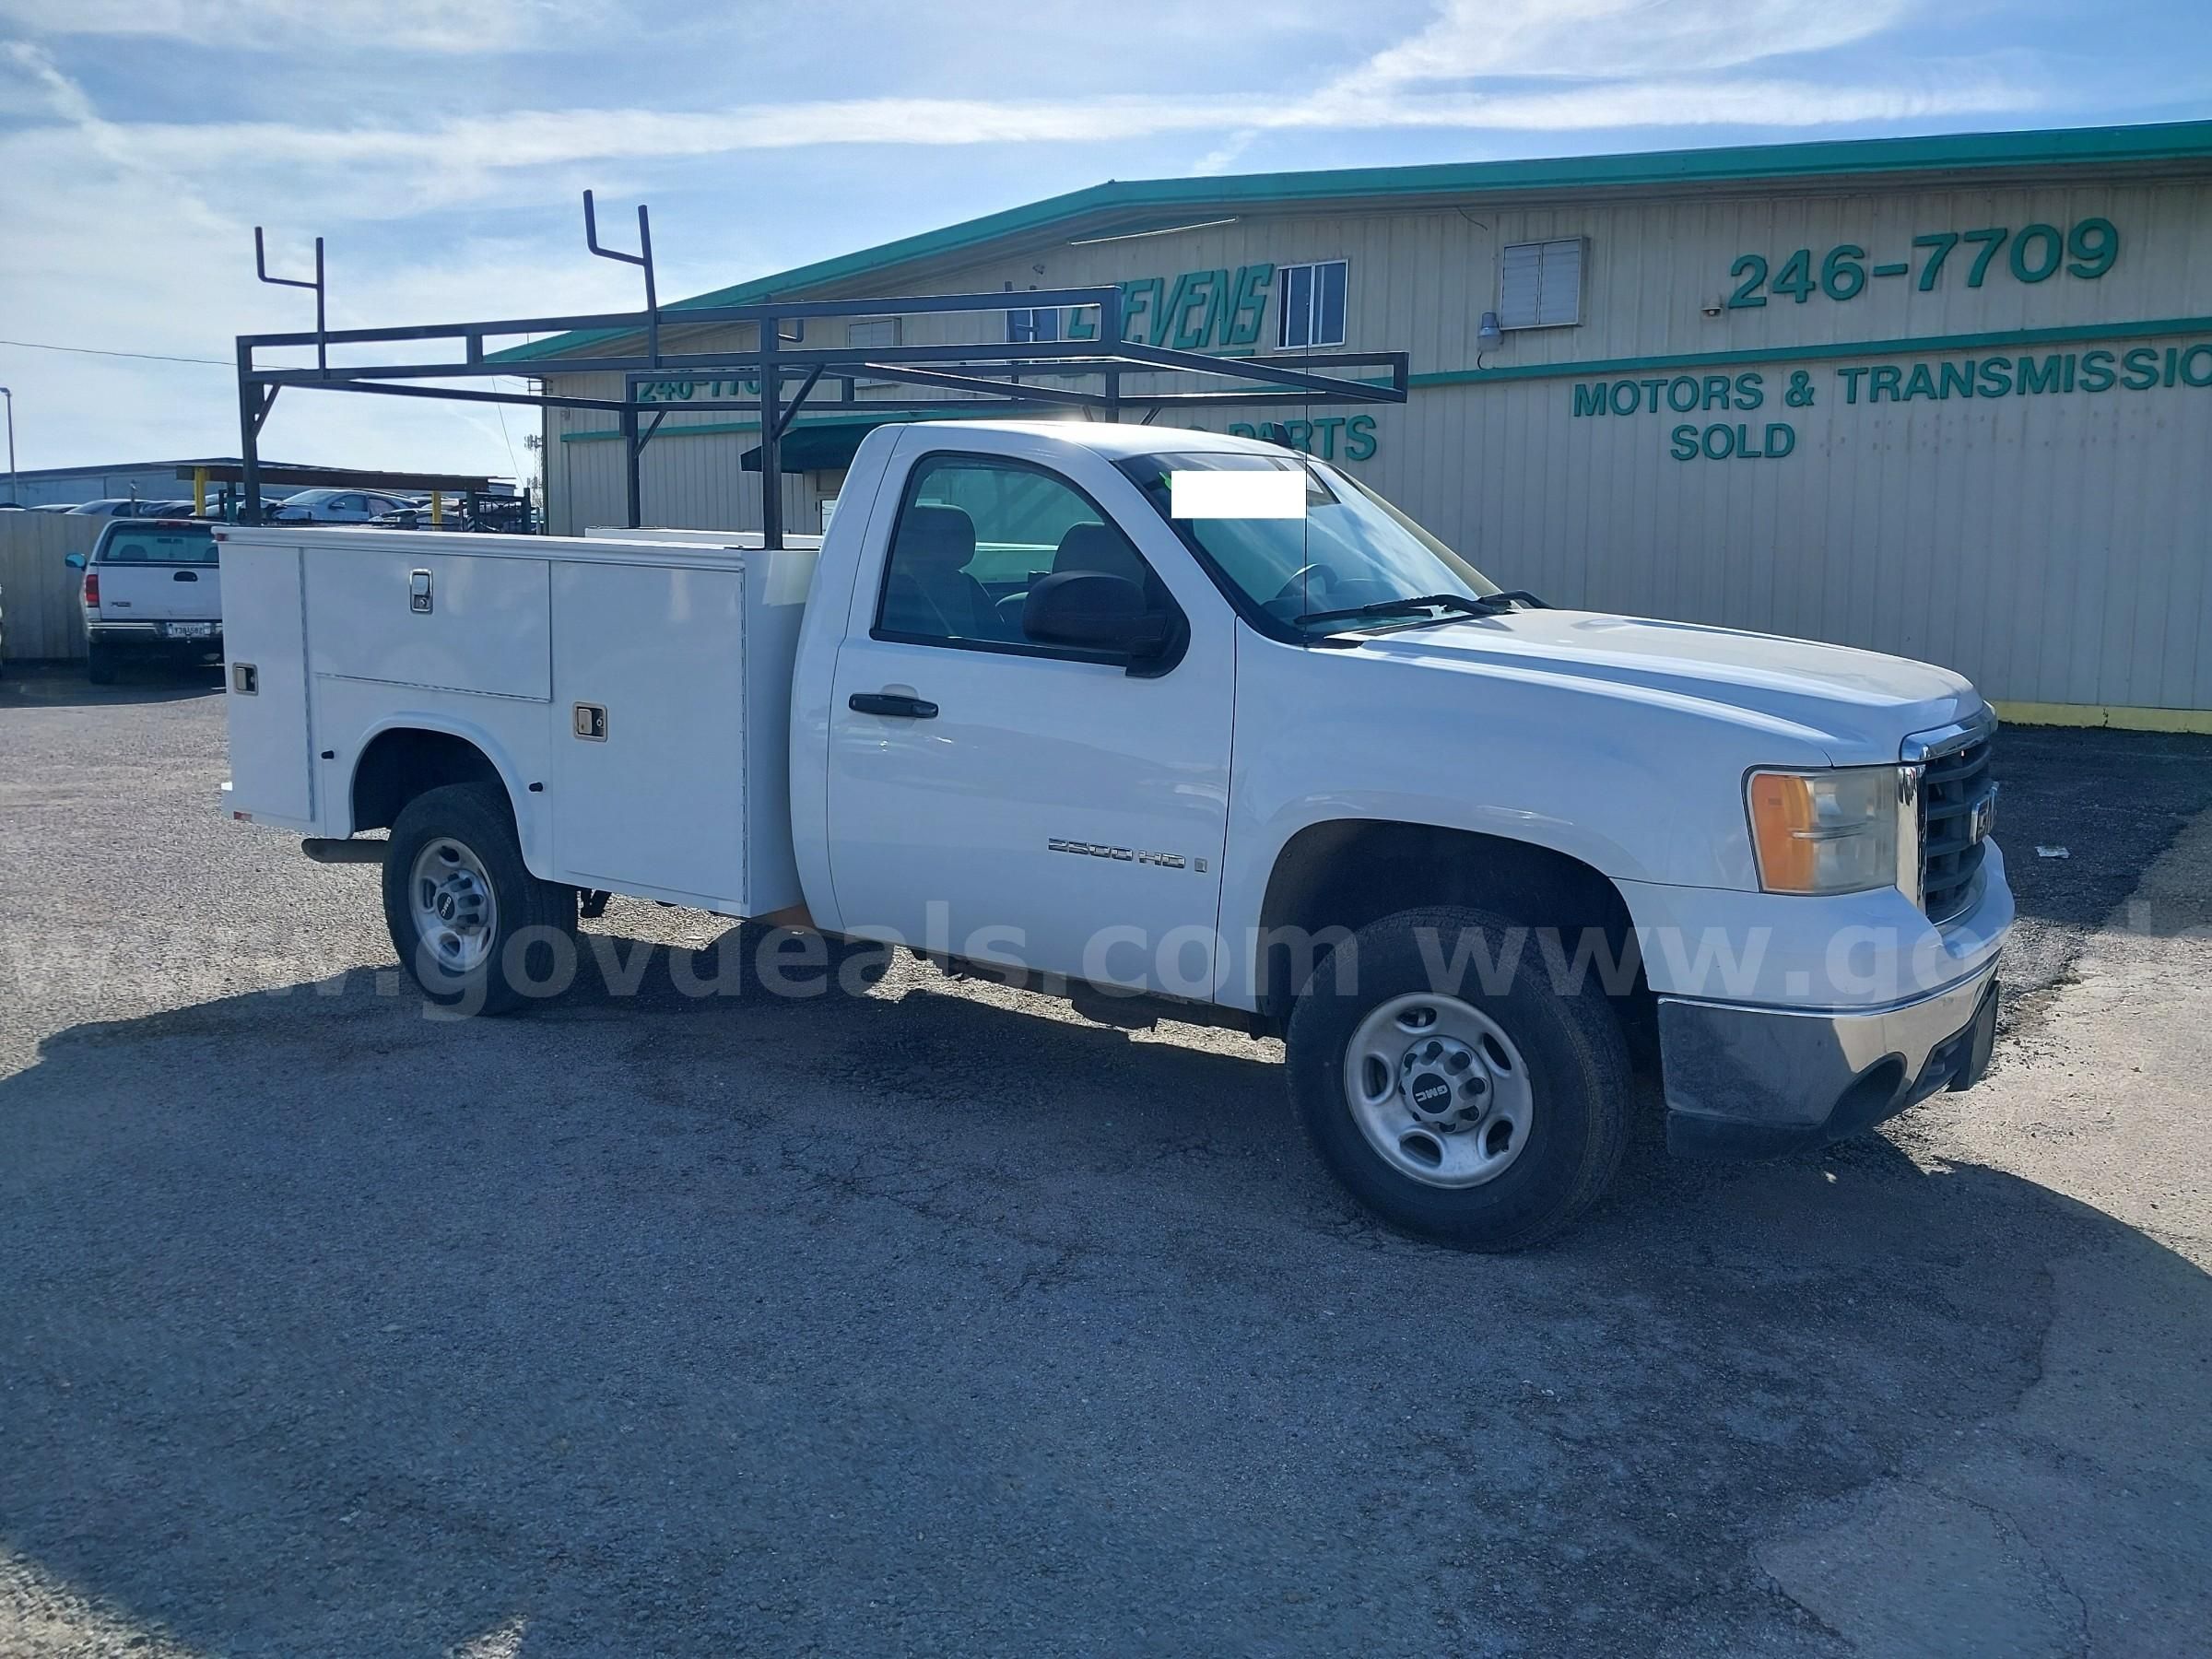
(1451, 1087)
(99, 664)
(473, 927)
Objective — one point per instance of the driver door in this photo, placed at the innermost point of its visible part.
(1009, 802)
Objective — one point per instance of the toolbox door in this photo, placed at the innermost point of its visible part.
(649, 735)
(264, 684)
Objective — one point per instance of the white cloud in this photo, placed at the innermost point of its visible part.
(455, 158)
(452, 25)
(77, 269)
(1622, 38)
(83, 181)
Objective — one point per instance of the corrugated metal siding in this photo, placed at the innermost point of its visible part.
(684, 482)
(2050, 545)
(37, 590)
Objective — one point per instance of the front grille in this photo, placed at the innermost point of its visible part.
(1952, 788)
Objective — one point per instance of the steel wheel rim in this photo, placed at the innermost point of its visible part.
(1399, 1057)
(456, 913)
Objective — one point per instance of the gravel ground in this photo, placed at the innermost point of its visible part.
(938, 1319)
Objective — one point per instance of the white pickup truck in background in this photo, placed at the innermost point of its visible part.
(1305, 771)
(152, 588)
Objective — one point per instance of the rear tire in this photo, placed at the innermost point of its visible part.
(1489, 1116)
(99, 664)
(473, 929)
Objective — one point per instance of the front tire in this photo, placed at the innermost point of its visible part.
(473, 927)
(1450, 1084)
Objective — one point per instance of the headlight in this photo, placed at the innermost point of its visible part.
(1826, 831)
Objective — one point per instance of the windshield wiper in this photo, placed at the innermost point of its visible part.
(1474, 605)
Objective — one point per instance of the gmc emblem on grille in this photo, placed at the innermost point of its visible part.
(1984, 819)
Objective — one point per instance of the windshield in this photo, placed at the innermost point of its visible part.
(1351, 551)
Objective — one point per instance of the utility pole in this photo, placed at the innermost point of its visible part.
(13, 489)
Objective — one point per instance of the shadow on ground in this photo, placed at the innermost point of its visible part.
(64, 685)
(917, 1319)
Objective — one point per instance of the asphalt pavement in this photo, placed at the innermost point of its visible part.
(932, 1317)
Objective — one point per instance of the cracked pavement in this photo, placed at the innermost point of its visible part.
(935, 1318)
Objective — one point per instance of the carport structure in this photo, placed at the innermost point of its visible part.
(782, 376)
(465, 487)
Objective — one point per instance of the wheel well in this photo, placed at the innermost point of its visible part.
(402, 763)
(1350, 872)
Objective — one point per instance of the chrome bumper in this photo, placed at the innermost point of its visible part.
(1750, 1081)
(152, 634)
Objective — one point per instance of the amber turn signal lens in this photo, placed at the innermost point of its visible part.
(1782, 819)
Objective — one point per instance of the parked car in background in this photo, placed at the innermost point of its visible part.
(419, 518)
(56, 507)
(127, 506)
(334, 507)
(151, 589)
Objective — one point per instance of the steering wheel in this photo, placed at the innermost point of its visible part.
(1302, 580)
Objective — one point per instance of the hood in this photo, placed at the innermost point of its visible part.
(1856, 704)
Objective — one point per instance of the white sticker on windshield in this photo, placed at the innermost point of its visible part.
(1205, 493)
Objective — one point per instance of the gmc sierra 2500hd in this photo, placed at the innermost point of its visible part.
(1186, 717)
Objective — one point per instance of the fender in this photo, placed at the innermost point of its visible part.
(532, 825)
(1250, 868)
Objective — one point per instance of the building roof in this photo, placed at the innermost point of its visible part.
(93, 469)
(1125, 203)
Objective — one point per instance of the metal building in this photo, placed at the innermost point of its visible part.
(1949, 397)
(118, 480)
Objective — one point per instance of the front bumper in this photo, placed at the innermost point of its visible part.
(1745, 1081)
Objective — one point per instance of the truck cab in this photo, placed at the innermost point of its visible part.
(1207, 725)
(152, 589)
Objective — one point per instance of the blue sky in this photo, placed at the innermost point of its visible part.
(439, 145)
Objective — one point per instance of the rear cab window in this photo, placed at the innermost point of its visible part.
(140, 541)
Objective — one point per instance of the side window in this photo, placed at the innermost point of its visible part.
(974, 535)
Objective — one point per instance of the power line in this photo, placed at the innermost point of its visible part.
(150, 357)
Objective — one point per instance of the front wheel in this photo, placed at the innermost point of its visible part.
(1452, 1086)
(473, 927)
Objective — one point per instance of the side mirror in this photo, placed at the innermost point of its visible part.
(76, 561)
(1095, 611)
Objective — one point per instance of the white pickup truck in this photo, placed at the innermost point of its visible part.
(151, 588)
(1192, 722)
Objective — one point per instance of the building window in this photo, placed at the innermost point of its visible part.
(872, 331)
(1541, 284)
(1312, 310)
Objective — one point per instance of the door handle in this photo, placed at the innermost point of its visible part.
(886, 702)
(185, 576)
